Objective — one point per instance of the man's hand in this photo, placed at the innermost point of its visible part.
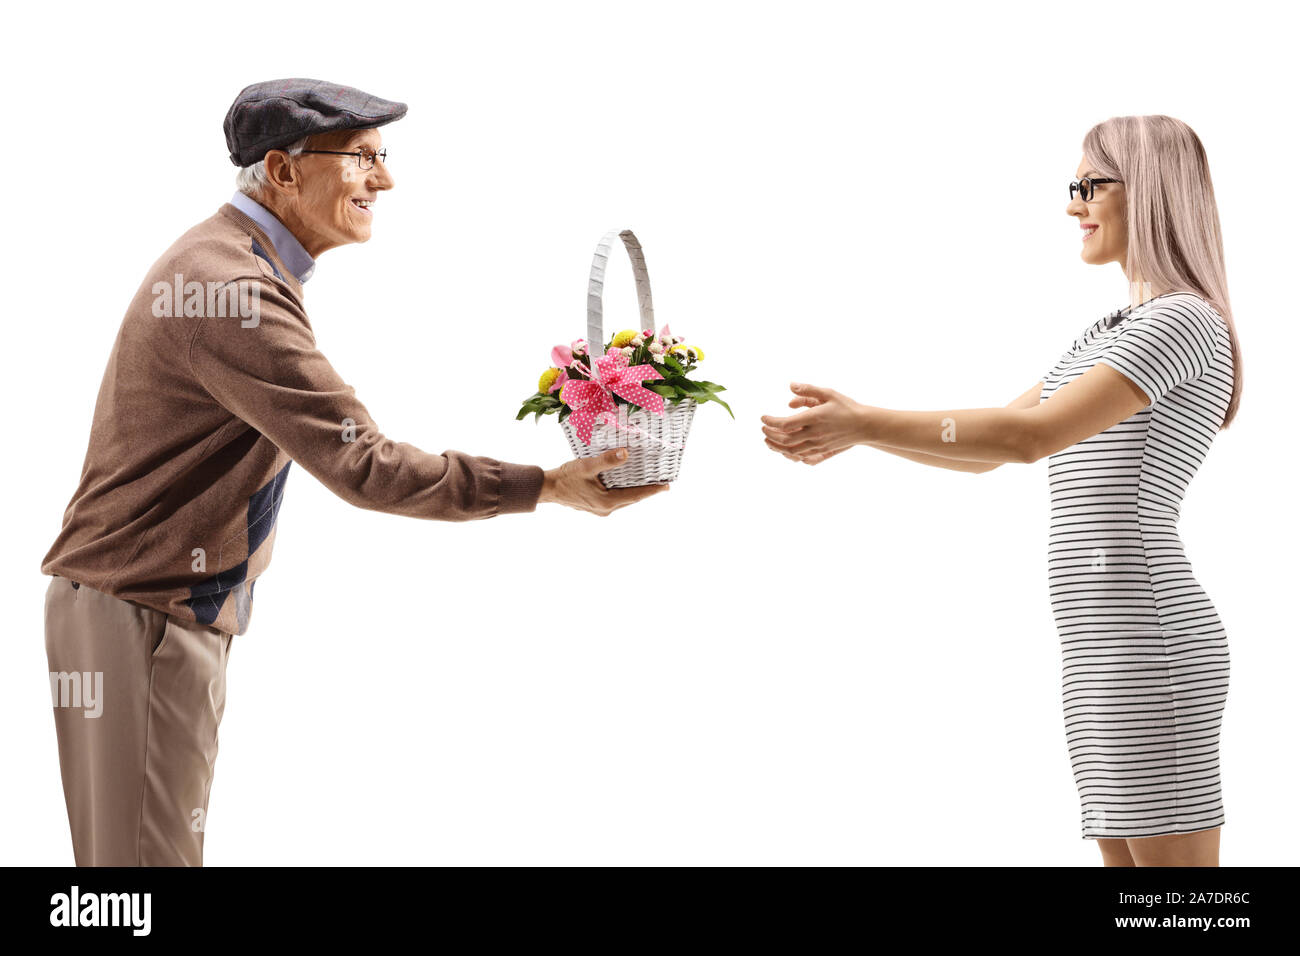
(576, 484)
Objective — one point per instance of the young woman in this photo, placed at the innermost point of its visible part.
(1125, 418)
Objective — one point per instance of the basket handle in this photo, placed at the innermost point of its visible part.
(596, 289)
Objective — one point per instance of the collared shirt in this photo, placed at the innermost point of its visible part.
(287, 246)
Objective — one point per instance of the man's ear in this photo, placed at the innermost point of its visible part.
(280, 175)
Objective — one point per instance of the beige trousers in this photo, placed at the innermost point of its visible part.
(138, 696)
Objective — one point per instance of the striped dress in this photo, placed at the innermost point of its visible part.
(1144, 654)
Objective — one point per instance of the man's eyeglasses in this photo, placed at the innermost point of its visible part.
(366, 156)
(1084, 187)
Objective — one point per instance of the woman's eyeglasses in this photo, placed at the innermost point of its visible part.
(366, 156)
(1084, 187)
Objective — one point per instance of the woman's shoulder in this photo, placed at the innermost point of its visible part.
(1183, 300)
(1182, 308)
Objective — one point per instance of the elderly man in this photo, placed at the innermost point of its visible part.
(213, 388)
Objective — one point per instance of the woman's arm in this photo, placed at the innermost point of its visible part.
(1084, 407)
(1028, 400)
(938, 461)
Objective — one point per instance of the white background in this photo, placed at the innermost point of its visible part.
(849, 664)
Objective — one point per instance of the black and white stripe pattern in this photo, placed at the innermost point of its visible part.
(1144, 654)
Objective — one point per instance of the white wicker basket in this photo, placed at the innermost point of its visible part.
(655, 443)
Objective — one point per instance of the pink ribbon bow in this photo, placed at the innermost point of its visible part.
(589, 400)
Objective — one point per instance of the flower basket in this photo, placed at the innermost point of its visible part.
(634, 391)
(652, 458)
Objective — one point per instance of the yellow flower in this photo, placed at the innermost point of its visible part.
(623, 339)
(547, 380)
(683, 350)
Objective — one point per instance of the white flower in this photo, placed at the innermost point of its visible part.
(638, 339)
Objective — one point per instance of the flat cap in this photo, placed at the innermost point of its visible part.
(275, 113)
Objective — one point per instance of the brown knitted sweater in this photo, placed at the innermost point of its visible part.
(208, 397)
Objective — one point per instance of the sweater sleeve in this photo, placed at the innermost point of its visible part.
(271, 375)
(1162, 350)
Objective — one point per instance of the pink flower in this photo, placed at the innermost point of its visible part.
(562, 356)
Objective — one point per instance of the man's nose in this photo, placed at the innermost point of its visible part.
(380, 177)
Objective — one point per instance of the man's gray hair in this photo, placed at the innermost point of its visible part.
(250, 179)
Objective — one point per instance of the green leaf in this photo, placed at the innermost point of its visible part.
(713, 397)
(702, 395)
(673, 364)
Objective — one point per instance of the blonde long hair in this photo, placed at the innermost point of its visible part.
(1174, 242)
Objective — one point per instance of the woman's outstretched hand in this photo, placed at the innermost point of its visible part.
(833, 423)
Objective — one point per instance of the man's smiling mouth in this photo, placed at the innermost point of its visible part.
(364, 205)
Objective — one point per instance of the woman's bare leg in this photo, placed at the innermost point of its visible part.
(1115, 853)
(1181, 849)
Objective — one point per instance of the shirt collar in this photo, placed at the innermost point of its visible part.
(287, 246)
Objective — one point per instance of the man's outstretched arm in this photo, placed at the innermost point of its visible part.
(272, 376)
